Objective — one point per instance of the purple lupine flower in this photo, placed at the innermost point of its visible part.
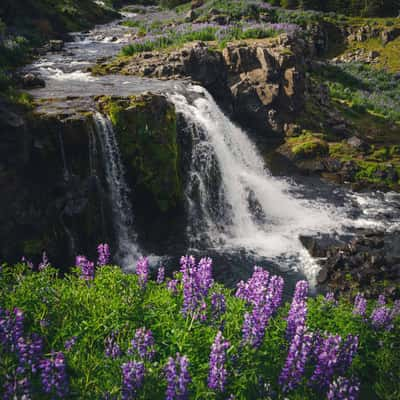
(178, 378)
(44, 263)
(17, 387)
(86, 266)
(360, 305)
(142, 271)
(275, 291)
(30, 352)
(70, 343)
(343, 389)
(381, 318)
(396, 309)
(204, 280)
(132, 379)
(160, 275)
(112, 348)
(218, 305)
(347, 353)
(143, 344)
(217, 371)
(27, 262)
(265, 295)
(299, 351)
(54, 375)
(172, 286)
(327, 356)
(197, 281)
(254, 290)
(11, 328)
(255, 323)
(103, 252)
(381, 300)
(330, 298)
(44, 323)
(298, 309)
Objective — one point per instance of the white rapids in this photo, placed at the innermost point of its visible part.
(251, 210)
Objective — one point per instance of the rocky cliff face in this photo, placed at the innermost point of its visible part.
(54, 193)
(260, 81)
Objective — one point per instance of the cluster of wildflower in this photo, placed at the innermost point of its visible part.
(103, 254)
(296, 360)
(44, 263)
(196, 281)
(298, 309)
(218, 305)
(132, 379)
(54, 375)
(27, 262)
(16, 387)
(217, 372)
(112, 348)
(265, 295)
(143, 344)
(178, 378)
(360, 305)
(142, 271)
(381, 318)
(330, 298)
(70, 343)
(327, 356)
(160, 275)
(86, 266)
(347, 353)
(172, 286)
(343, 389)
(11, 328)
(29, 352)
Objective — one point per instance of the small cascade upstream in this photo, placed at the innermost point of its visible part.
(128, 250)
(234, 203)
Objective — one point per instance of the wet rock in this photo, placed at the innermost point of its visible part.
(389, 34)
(55, 45)
(357, 143)
(365, 260)
(30, 81)
(190, 16)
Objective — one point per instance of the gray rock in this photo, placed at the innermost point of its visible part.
(30, 81)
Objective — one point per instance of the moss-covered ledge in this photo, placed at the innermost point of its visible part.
(146, 131)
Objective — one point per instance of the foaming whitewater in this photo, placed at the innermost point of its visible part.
(128, 250)
(234, 202)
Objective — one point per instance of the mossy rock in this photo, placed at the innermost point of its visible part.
(308, 146)
(147, 135)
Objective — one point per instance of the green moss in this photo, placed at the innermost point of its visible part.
(308, 145)
(146, 131)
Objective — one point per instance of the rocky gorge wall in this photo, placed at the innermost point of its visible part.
(54, 192)
(260, 82)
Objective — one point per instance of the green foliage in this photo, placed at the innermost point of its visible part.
(364, 88)
(207, 34)
(114, 302)
(348, 7)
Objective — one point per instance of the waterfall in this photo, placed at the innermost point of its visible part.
(234, 202)
(63, 157)
(128, 250)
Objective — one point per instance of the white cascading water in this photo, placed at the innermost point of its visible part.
(247, 208)
(128, 250)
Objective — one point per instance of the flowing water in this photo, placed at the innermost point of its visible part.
(128, 251)
(237, 211)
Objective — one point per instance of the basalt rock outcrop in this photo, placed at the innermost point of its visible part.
(261, 82)
(368, 261)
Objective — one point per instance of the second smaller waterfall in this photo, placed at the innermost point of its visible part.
(128, 250)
